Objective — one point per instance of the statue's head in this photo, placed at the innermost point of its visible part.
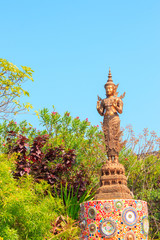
(110, 90)
(110, 86)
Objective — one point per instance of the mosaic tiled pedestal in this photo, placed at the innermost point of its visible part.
(119, 219)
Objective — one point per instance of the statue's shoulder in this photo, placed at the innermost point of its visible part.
(117, 98)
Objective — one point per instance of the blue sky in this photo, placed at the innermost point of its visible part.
(71, 44)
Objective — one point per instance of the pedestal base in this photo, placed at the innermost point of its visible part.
(121, 219)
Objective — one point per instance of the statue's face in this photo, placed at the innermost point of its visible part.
(110, 90)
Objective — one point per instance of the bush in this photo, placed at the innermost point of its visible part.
(27, 209)
(142, 164)
(66, 151)
(69, 153)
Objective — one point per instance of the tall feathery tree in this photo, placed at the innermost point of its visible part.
(11, 91)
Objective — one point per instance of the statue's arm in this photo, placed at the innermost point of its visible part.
(100, 107)
(118, 104)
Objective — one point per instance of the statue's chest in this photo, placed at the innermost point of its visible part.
(108, 103)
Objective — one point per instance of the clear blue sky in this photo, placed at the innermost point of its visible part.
(71, 45)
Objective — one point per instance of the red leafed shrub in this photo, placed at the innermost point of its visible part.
(55, 165)
(36, 154)
(21, 145)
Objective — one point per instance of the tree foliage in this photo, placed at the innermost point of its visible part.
(72, 133)
(28, 210)
(68, 154)
(11, 81)
(141, 158)
(58, 156)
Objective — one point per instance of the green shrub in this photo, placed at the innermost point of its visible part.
(69, 135)
(27, 208)
(143, 174)
(66, 151)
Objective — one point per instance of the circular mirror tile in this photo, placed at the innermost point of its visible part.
(92, 213)
(92, 228)
(145, 225)
(107, 207)
(118, 204)
(129, 236)
(139, 206)
(108, 228)
(83, 223)
(129, 216)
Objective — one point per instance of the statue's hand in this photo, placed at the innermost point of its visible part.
(114, 103)
(98, 104)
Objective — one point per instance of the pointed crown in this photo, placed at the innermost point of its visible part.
(110, 81)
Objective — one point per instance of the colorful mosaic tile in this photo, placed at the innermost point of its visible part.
(107, 207)
(129, 216)
(139, 205)
(119, 219)
(118, 204)
(92, 212)
(83, 223)
(130, 236)
(92, 228)
(145, 225)
(108, 228)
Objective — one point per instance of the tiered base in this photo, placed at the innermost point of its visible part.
(113, 183)
(121, 219)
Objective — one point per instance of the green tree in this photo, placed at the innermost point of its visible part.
(28, 210)
(11, 80)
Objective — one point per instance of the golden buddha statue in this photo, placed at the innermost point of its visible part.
(113, 182)
(109, 108)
